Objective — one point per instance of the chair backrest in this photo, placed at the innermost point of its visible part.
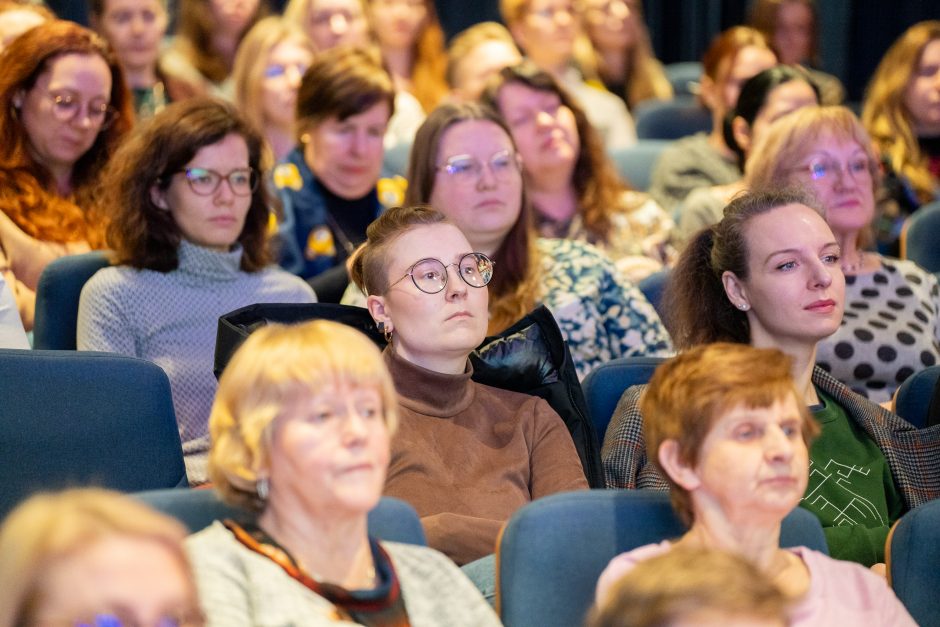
(913, 561)
(392, 519)
(684, 77)
(921, 233)
(653, 287)
(671, 119)
(552, 551)
(915, 397)
(72, 418)
(604, 386)
(57, 299)
(635, 163)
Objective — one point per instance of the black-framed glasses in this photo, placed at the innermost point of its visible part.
(67, 106)
(205, 182)
(467, 168)
(820, 169)
(430, 275)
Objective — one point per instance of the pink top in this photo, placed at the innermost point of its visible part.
(839, 592)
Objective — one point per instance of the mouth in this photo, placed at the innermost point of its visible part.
(223, 220)
(783, 481)
(460, 315)
(822, 306)
(357, 468)
(489, 203)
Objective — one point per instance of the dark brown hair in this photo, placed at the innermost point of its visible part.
(142, 234)
(195, 30)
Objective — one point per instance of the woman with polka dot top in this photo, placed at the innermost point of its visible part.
(891, 327)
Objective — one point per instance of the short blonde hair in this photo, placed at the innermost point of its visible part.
(689, 393)
(273, 366)
(48, 527)
(469, 40)
(512, 11)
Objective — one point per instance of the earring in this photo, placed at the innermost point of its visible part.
(263, 487)
(385, 331)
(743, 306)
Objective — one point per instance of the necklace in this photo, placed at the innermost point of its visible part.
(852, 268)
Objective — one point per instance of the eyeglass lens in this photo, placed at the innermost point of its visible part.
(205, 182)
(430, 275)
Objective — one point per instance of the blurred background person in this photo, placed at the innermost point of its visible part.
(271, 61)
(94, 557)
(16, 18)
(66, 109)
(331, 23)
(475, 55)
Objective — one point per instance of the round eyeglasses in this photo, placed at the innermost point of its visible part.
(205, 182)
(430, 275)
(67, 106)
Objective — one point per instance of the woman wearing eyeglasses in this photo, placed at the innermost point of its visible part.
(64, 110)
(466, 455)
(891, 327)
(189, 235)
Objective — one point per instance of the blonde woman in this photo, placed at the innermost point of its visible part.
(301, 430)
(91, 556)
(903, 119)
(331, 23)
(271, 60)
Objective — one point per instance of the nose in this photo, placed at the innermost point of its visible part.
(563, 17)
(225, 192)
(339, 24)
(544, 119)
(777, 445)
(354, 426)
(357, 141)
(821, 275)
(294, 76)
(487, 178)
(456, 287)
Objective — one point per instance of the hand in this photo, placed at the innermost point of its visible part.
(880, 569)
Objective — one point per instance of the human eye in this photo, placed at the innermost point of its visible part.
(744, 432)
(321, 18)
(791, 428)
(200, 176)
(831, 258)
(376, 131)
(858, 166)
(121, 17)
(460, 166)
(786, 265)
(275, 70)
(240, 177)
(502, 160)
(64, 101)
(819, 169)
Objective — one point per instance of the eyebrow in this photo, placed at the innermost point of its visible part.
(797, 251)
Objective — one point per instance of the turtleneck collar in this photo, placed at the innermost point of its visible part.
(427, 392)
(207, 263)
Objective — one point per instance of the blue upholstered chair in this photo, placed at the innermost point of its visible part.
(77, 419)
(671, 119)
(920, 237)
(653, 288)
(392, 519)
(913, 560)
(604, 386)
(635, 164)
(552, 551)
(57, 299)
(915, 395)
(684, 77)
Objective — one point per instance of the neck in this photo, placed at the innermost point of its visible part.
(281, 138)
(716, 140)
(803, 356)
(557, 202)
(488, 245)
(443, 364)
(334, 550)
(226, 44)
(141, 77)
(613, 64)
(852, 257)
(758, 543)
(399, 62)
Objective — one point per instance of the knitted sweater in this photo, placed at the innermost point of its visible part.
(467, 456)
(689, 163)
(170, 318)
(240, 587)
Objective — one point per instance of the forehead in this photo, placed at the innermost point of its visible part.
(290, 49)
(830, 142)
(128, 5)
(441, 241)
(473, 135)
(931, 53)
(488, 55)
(751, 60)
(792, 226)
(351, 6)
(231, 150)
(516, 94)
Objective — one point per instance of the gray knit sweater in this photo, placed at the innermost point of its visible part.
(170, 318)
(689, 163)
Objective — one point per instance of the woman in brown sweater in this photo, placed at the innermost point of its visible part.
(466, 455)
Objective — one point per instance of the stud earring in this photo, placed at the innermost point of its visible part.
(263, 487)
(743, 306)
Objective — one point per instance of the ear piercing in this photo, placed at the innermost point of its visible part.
(743, 306)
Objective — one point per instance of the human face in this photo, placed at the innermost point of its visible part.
(922, 95)
(401, 20)
(545, 130)
(330, 450)
(749, 62)
(214, 221)
(484, 61)
(485, 206)
(334, 22)
(287, 62)
(346, 155)
(137, 579)
(753, 464)
(793, 33)
(795, 290)
(840, 173)
(612, 24)
(433, 331)
(58, 144)
(547, 33)
(135, 28)
(233, 16)
(781, 100)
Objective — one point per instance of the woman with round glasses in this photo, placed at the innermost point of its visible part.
(891, 326)
(466, 455)
(465, 164)
(190, 241)
(65, 108)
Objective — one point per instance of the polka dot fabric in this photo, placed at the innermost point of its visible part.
(890, 330)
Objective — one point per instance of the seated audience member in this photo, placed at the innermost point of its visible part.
(189, 235)
(573, 185)
(691, 585)
(891, 325)
(546, 31)
(269, 66)
(475, 55)
(769, 275)
(465, 164)
(791, 28)
(466, 455)
(705, 159)
(903, 118)
(620, 54)
(94, 557)
(65, 111)
(764, 98)
(728, 428)
(329, 184)
(16, 18)
(135, 29)
(208, 32)
(12, 334)
(300, 436)
(331, 23)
